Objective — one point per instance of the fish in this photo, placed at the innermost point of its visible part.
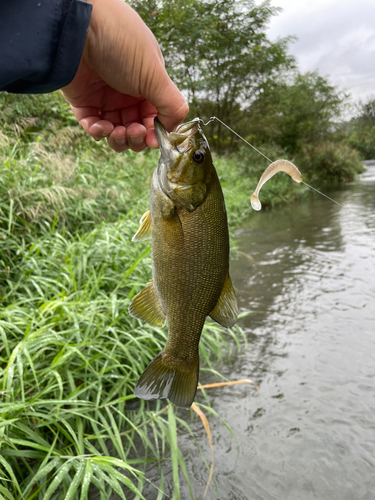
(188, 227)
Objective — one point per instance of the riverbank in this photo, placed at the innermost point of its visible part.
(70, 354)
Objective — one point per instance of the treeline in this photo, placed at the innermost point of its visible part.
(218, 53)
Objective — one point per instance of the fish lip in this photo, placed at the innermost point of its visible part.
(187, 126)
(162, 135)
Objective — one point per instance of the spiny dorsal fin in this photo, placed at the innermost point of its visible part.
(144, 231)
(146, 306)
(226, 309)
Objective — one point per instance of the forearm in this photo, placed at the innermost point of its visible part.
(41, 43)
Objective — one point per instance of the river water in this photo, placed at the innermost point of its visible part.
(306, 273)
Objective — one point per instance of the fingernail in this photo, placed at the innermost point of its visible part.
(105, 134)
(137, 140)
(120, 140)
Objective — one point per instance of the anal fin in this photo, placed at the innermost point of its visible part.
(146, 306)
(226, 309)
(144, 231)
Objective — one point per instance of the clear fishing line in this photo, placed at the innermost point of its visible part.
(213, 118)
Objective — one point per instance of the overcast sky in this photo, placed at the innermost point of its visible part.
(336, 37)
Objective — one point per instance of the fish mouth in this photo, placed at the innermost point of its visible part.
(162, 135)
(179, 140)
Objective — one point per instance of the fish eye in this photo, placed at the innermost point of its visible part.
(198, 156)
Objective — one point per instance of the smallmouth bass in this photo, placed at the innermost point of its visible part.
(188, 226)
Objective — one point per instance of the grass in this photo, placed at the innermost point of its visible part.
(70, 354)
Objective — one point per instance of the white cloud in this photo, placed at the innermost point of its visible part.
(335, 37)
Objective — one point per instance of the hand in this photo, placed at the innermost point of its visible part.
(121, 83)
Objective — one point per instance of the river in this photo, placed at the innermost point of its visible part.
(306, 273)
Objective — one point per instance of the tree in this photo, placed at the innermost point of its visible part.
(295, 113)
(218, 52)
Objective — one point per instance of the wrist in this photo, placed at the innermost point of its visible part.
(91, 32)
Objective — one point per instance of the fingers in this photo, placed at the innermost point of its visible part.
(151, 139)
(131, 137)
(117, 139)
(120, 137)
(136, 134)
(91, 121)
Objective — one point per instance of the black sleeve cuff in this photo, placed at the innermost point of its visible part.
(41, 43)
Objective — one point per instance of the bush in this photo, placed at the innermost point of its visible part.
(329, 162)
(360, 131)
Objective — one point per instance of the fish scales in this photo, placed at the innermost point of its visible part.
(190, 287)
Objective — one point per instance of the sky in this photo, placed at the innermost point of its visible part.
(335, 37)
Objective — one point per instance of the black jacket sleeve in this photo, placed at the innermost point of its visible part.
(41, 43)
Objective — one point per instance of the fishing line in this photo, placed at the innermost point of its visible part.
(213, 118)
(334, 201)
(235, 133)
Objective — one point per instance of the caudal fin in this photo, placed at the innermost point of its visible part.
(159, 381)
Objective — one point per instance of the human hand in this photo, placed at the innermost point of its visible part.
(121, 83)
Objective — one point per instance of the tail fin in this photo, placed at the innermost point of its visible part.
(160, 381)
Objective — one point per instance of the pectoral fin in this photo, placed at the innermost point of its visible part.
(226, 309)
(146, 306)
(144, 231)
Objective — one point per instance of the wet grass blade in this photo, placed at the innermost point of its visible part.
(77, 481)
(57, 480)
(174, 451)
(12, 475)
(6, 493)
(86, 480)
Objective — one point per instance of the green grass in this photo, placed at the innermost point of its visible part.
(70, 354)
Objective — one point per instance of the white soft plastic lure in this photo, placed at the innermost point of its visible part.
(271, 170)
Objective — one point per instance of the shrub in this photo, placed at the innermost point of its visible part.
(329, 162)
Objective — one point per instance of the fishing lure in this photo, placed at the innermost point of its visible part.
(277, 166)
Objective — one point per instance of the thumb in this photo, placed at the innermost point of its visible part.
(168, 101)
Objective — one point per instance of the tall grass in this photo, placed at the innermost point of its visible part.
(70, 426)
